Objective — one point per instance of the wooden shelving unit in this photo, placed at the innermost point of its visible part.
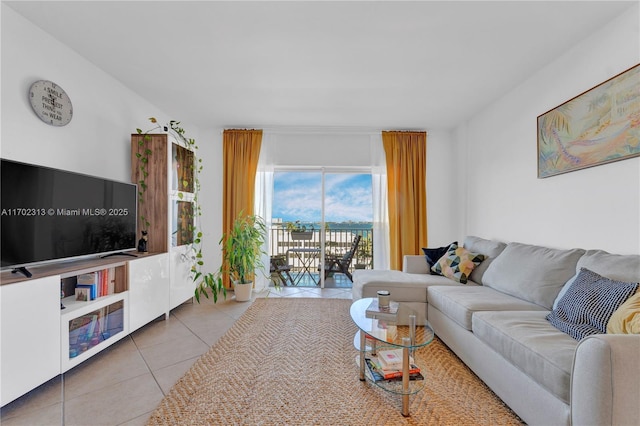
(167, 204)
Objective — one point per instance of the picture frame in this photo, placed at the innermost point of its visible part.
(598, 126)
(82, 294)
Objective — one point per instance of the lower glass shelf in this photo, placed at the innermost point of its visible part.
(390, 385)
(394, 385)
(91, 329)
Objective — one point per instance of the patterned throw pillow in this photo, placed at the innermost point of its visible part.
(588, 304)
(432, 255)
(457, 263)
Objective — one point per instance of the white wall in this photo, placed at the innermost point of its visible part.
(443, 211)
(592, 208)
(210, 151)
(320, 147)
(97, 141)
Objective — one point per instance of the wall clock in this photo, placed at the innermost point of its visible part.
(51, 103)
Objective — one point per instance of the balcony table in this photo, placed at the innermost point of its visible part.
(306, 262)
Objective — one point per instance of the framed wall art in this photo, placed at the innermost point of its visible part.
(598, 126)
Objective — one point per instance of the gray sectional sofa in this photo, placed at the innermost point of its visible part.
(497, 325)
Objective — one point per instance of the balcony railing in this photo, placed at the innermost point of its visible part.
(337, 241)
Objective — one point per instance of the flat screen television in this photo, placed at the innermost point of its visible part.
(49, 215)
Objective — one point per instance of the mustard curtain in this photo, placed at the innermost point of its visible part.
(406, 157)
(240, 153)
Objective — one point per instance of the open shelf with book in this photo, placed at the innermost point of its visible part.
(95, 313)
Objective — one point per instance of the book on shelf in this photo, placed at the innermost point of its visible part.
(391, 359)
(107, 281)
(87, 278)
(377, 374)
(111, 285)
(388, 313)
(101, 283)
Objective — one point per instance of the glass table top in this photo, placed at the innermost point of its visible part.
(386, 329)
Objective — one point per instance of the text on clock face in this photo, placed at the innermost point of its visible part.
(53, 92)
(49, 104)
(53, 116)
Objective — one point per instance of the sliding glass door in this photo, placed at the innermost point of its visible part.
(317, 214)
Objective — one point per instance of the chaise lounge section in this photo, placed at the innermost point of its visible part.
(497, 325)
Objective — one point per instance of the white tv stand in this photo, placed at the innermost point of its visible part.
(39, 340)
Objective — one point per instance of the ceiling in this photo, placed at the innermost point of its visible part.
(350, 64)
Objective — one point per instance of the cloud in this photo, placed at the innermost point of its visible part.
(298, 196)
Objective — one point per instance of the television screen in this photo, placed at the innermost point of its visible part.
(49, 214)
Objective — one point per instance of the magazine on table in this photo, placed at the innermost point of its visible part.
(377, 374)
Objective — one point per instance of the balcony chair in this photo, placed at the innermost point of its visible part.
(280, 267)
(337, 263)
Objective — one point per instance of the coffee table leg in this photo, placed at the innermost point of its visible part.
(405, 380)
(363, 344)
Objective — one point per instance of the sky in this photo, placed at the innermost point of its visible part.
(298, 196)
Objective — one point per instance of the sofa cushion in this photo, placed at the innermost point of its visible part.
(489, 248)
(532, 345)
(461, 302)
(404, 287)
(532, 273)
(457, 263)
(588, 304)
(432, 255)
(626, 319)
(617, 267)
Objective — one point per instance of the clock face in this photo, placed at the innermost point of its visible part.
(51, 103)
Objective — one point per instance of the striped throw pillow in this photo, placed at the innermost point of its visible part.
(588, 304)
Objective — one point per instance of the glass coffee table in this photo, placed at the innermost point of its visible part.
(383, 332)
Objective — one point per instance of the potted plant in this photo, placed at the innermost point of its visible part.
(299, 231)
(242, 250)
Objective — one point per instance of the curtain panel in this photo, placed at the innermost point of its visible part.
(240, 152)
(406, 158)
(264, 202)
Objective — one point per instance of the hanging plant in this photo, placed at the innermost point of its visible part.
(143, 163)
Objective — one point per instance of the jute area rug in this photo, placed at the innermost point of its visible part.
(292, 362)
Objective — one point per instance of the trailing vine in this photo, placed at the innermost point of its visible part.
(143, 162)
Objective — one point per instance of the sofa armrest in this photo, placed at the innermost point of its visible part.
(415, 264)
(605, 381)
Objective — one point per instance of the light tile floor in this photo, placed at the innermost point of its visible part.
(124, 383)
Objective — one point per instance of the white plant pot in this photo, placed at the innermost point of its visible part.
(242, 291)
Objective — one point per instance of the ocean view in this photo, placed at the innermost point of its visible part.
(330, 225)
